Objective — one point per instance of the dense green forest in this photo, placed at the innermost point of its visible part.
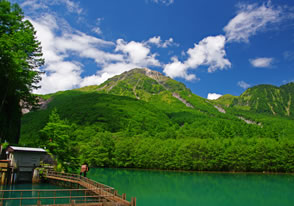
(20, 59)
(142, 119)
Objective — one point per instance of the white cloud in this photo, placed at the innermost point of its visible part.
(261, 62)
(250, 19)
(61, 75)
(208, 52)
(243, 84)
(94, 79)
(62, 44)
(178, 69)
(34, 5)
(156, 40)
(213, 96)
(97, 30)
(72, 6)
(166, 2)
(136, 53)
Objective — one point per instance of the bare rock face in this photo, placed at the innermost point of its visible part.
(42, 104)
(250, 121)
(182, 100)
(157, 76)
(220, 109)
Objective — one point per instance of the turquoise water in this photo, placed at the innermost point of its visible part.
(167, 188)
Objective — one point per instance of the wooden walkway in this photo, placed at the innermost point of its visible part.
(77, 197)
(108, 194)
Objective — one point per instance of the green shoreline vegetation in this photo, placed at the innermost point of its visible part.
(107, 130)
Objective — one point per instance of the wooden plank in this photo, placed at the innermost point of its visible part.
(76, 204)
(99, 191)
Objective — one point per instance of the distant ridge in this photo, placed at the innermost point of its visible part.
(264, 98)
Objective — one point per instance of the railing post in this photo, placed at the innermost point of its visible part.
(133, 201)
(124, 196)
(39, 203)
(69, 196)
(2, 201)
(20, 199)
(54, 197)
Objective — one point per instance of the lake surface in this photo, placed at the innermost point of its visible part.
(167, 188)
(21, 187)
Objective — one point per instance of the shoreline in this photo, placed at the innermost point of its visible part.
(195, 171)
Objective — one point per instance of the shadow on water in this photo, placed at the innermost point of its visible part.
(191, 188)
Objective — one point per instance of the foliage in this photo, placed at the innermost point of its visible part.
(20, 55)
(267, 99)
(56, 136)
(135, 121)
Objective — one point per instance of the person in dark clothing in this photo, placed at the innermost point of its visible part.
(84, 169)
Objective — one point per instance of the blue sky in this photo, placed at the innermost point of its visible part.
(214, 47)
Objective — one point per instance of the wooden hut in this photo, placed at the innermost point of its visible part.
(23, 161)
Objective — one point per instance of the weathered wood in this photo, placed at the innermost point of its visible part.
(133, 201)
(99, 189)
(124, 196)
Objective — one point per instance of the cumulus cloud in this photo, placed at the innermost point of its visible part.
(209, 52)
(213, 96)
(250, 19)
(261, 62)
(137, 53)
(243, 84)
(61, 45)
(178, 69)
(156, 40)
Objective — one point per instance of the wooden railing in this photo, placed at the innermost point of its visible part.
(108, 193)
(35, 197)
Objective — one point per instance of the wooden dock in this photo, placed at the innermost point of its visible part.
(108, 194)
(87, 193)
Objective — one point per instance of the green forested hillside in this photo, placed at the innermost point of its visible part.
(143, 119)
(266, 99)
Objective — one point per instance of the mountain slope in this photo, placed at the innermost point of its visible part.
(155, 88)
(265, 99)
(143, 119)
(135, 102)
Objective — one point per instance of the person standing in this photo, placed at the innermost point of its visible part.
(84, 169)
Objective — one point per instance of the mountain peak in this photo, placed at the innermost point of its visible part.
(157, 76)
(140, 83)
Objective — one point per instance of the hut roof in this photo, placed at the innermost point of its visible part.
(25, 149)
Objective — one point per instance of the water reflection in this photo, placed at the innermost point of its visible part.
(189, 188)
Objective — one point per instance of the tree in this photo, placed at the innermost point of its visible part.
(57, 136)
(20, 58)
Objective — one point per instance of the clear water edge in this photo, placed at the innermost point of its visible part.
(175, 188)
(171, 188)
